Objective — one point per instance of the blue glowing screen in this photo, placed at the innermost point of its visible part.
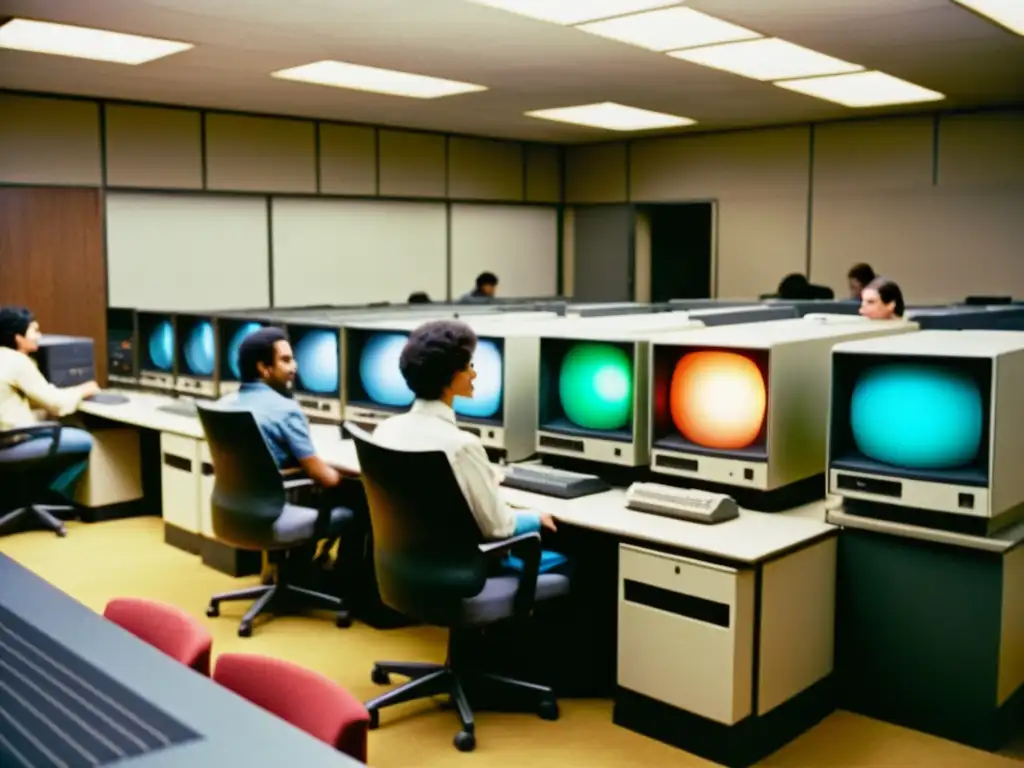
(199, 349)
(235, 345)
(917, 416)
(487, 386)
(379, 370)
(161, 346)
(317, 356)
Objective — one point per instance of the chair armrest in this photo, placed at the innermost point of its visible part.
(527, 546)
(299, 482)
(42, 429)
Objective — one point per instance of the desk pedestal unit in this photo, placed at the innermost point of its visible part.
(181, 483)
(727, 661)
(931, 634)
(113, 478)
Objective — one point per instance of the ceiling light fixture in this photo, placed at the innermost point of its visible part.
(862, 89)
(1005, 13)
(357, 77)
(669, 29)
(612, 117)
(85, 43)
(570, 12)
(766, 59)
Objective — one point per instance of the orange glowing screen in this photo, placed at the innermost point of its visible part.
(718, 399)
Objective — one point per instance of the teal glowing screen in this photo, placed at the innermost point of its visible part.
(917, 416)
(595, 386)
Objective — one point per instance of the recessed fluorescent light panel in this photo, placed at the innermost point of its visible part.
(1006, 13)
(356, 77)
(612, 117)
(669, 29)
(85, 43)
(862, 89)
(767, 59)
(570, 12)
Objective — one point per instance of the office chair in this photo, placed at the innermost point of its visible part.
(309, 701)
(431, 565)
(165, 627)
(250, 511)
(26, 482)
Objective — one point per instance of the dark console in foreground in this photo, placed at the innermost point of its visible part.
(80, 691)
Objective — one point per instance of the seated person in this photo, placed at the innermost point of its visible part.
(436, 364)
(858, 278)
(797, 287)
(267, 367)
(24, 388)
(882, 299)
(419, 297)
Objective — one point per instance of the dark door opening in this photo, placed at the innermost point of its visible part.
(681, 248)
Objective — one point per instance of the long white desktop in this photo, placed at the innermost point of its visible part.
(768, 578)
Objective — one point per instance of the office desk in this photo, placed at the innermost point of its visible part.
(716, 638)
(208, 724)
(931, 628)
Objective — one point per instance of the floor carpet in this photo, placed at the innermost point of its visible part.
(128, 558)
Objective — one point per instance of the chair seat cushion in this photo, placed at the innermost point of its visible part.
(297, 524)
(496, 601)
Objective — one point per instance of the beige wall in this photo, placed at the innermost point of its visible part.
(305, 169)
(933, 201)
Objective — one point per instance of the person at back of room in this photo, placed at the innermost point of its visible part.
(858, 278)
(882, 299)
(268, 369)
(419, 297)
(24, 391)
(485, 290)
(436, 363)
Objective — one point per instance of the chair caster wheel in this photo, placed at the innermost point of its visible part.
(465, 741)
(374, 723)
(379, 677)
(61, 532)
(213, 611)
(548, 709)
(343, 620)
(245, 630)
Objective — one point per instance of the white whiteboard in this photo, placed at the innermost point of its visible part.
(518, 243)
(187, 251)
(355, 251)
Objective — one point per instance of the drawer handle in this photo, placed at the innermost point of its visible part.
(177, 462)
(690, 606)
(207, 469)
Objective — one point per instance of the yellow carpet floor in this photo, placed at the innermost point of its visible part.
(128, 558)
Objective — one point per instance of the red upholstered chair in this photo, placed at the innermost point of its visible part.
(166, 628)
(305, 699)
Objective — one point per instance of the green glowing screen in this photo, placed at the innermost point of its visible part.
(596, 386)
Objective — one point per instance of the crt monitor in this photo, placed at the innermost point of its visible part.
(122, 366)
(744, 407)
(929, 429)
(156, 350)
(196, 349)
(317, 350)
(1007, 317)
(231, 331)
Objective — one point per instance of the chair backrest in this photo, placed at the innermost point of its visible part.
(165, 627)
(426, 543)
(248, 492)
(307, 700)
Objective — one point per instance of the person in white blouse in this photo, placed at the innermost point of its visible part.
(24, 390)
(437, 365)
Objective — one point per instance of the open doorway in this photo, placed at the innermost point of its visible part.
(678, 241)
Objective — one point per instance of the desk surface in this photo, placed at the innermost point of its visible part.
(232, 731)
(1001, 541)
(750, 538)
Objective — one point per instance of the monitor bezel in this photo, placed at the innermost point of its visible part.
(294, 338)
(843, 455)
(142, 318)
(189, 320)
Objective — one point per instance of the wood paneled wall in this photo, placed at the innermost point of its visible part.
(51, 254)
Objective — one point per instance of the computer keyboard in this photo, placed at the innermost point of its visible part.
(549, 481)
(108, 398)
(181, 408)
(681, 503)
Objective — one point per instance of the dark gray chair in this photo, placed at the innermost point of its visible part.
(250, 510)
(432, 565)
(25, 483)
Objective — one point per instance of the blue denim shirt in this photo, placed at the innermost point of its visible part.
(281, 421)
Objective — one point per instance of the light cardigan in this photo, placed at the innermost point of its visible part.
(23, 387)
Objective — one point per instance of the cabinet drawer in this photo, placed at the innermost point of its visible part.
(180, 477)
(685, 633)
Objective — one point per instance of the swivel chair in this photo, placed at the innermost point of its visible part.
(250, 511)
(432, 566)
(25, 482)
